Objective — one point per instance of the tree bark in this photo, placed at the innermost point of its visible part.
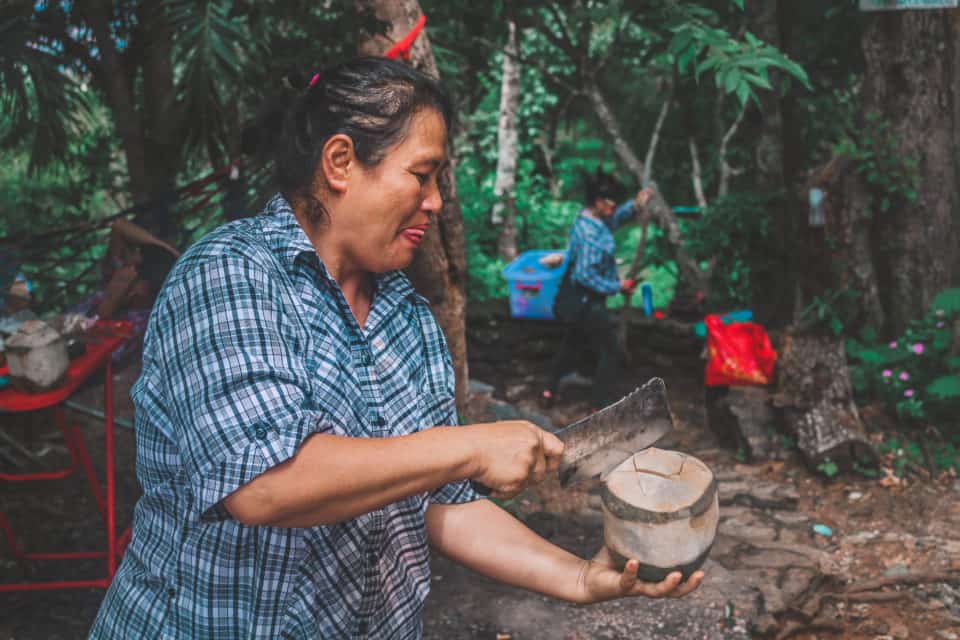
(909, 82)
(118, 89)
(439, 270)
(505, 207)
(814, 392)
(774, 286)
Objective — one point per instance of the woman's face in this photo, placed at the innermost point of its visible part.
(386, 209)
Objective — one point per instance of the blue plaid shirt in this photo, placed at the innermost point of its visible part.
(250, 349)
(593, 252)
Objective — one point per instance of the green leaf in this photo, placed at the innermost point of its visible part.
(945, 387)
(732, 80)
(947, 301)
(743, 93)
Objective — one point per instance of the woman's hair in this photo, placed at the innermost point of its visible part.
(371, 100)
(601, 185)
(155, 264)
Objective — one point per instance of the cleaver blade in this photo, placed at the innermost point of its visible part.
(601, 441)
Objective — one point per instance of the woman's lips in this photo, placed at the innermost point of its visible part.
(414, 234)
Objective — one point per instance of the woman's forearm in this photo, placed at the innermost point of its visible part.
(335, 478)
(487, 539)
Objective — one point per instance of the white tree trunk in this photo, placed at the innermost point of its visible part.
(505, 207)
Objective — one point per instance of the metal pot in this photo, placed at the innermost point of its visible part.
(37, 357)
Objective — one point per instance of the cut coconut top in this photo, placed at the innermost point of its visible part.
(659, 480)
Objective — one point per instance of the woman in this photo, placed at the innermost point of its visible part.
(590, 277)
(292, 466)
(133, 270)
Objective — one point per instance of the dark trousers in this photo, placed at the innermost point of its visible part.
(597, 331)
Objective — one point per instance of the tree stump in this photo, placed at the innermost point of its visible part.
(815, 394)
(743, 418)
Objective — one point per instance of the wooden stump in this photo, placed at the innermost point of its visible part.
(743, 418)
(814, 392)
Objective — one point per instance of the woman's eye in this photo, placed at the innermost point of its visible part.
(422, 177)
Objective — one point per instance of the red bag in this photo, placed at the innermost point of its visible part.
(738, 353)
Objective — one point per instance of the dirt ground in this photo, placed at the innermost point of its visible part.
(904, 535)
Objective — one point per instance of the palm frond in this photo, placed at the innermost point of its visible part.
(43, 103)
(212, 47)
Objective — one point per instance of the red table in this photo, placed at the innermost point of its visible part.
(102, 340)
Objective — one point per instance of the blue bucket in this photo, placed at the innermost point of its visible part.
(533, 286)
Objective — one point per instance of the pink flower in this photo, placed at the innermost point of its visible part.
(940, 325)
(918, 348)
(893, 345)
(904, 375)
(887, 373)
(908, 393)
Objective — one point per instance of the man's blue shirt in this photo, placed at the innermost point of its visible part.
(592, 250)
(251, 348)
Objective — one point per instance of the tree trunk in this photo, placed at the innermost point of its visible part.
(774, 286)
(146, 134)
(439, 270)
(813, 389)
(118, 89)
(505, 207)
(839, 255)
(909, 82)
(691, 277)
(159, 120)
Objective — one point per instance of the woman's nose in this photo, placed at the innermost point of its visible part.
(433, 203)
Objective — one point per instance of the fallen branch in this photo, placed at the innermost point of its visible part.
(906, 579)
(873, 596)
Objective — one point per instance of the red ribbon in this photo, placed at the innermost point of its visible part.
(402, 47)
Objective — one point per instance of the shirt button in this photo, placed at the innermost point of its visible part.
(261, 433)
(172, 592)
(379, 421)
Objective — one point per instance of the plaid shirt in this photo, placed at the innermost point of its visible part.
(251, 348)
(593, 251)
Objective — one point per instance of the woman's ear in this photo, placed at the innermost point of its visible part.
(336, 161)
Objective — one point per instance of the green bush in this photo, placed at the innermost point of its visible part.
(915, 375)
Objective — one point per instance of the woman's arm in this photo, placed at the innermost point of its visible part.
(335, 478)
(483, 537)
(131, 233)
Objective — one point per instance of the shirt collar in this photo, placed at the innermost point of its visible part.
(282, 233)
(286, 238)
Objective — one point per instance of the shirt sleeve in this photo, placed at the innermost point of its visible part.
(595, 266)
(622, 215)
(237, 389)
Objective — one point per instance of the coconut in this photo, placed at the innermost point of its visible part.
(660, 507)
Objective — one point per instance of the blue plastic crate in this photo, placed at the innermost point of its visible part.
(532, 285)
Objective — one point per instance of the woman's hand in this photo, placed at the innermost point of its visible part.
(512, 454)
(600, 580)
(643, 197)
